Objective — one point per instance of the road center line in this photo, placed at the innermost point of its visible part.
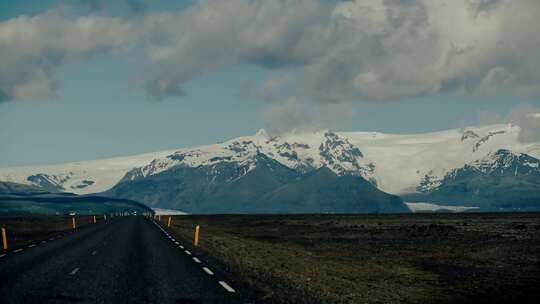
(226, 286)
(177, 243)
(187, 252)
(207, 270)
(181, 247)
(74, 271)
(196, 260)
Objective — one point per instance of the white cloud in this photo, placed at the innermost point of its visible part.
(361, 50)
(31, 47)
(294, 114)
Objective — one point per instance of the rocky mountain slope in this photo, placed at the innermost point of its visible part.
(256, 184)
(501, 180)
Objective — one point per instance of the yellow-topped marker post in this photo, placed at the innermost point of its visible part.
(4, 239)
(196, 237)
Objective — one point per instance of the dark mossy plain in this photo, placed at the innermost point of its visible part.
(407, 258)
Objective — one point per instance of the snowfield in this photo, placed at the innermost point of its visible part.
(160, 211)
(432, 207)
(395, 163)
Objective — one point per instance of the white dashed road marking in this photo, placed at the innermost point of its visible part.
(74, 271)
(2, 255)
(18, 250)
(226, 286)
(208, 271)
(94, 252)
(33, 245)
(43, 242)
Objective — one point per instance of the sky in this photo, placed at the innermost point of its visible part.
(92, 79)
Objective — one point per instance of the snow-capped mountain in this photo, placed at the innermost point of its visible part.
(502, 180)
(301, 152)
(394, 163)
(502, 162)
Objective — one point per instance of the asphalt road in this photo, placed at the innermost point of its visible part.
(126, 260)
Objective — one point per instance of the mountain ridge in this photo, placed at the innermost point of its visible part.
(501, 180)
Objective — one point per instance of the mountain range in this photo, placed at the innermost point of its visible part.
(324, 171)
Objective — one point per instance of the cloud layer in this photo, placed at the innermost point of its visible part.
(328, 51)
(527, 118)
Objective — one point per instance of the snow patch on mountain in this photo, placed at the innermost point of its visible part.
(79, 177)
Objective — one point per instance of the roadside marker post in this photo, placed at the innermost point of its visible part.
(4, 239)
(104, 217)
(94, 219)
(73, 225)
(196, 238)
(169, 222)
(159, 218)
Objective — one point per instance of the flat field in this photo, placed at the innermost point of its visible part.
(23, 230)
(418, 258)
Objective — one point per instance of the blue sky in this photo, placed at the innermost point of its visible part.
(100, 107)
